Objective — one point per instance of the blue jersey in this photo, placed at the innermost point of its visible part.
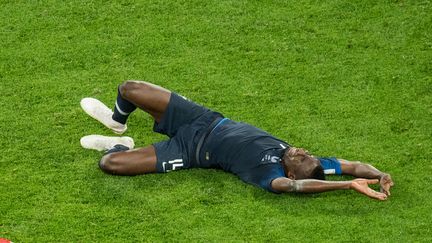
(248, 152)
(239, 148)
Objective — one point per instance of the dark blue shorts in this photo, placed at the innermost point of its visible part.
(184, 122)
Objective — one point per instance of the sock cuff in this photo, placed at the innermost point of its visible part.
(117, 148)
(124, 106)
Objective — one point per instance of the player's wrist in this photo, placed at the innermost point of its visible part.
(351, 185)
(382, 175)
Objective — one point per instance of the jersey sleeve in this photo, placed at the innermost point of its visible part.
(263, 175)
(331, 166)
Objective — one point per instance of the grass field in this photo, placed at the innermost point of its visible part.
(351, 79)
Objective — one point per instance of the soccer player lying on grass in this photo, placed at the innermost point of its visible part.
(201, 138)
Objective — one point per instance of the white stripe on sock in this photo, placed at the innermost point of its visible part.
(119, 110)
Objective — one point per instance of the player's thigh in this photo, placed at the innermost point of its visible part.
(173, 154)
(130, 162)
(180, 112)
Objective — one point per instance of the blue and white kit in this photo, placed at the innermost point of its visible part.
(201, 138)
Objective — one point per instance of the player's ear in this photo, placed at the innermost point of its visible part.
(291, 175)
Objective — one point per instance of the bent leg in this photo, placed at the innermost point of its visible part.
(169, 110)
(151, 98)
(130, 162)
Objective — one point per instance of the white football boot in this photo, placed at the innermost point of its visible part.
(101, 143)
(102, 113)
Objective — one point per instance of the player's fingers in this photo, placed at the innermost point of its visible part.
(385, 189)
(378, 195)
(372, 181)
(382, 197)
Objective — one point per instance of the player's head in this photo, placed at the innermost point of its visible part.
(299, 164)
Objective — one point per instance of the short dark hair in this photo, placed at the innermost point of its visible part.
(318, 173)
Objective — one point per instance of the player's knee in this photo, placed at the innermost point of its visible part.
(110, 164)
(130, 86)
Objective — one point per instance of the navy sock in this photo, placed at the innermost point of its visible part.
(122, 109)
(117, 148)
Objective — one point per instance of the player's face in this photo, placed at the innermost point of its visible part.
(299, 163)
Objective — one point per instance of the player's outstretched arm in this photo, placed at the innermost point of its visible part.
(283, 184)
(362, 170)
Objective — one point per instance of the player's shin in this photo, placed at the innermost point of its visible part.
(122, 108)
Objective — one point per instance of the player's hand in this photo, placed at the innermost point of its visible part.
(386, 182)
(362, 186)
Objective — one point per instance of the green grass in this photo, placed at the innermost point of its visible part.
(346, 78)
